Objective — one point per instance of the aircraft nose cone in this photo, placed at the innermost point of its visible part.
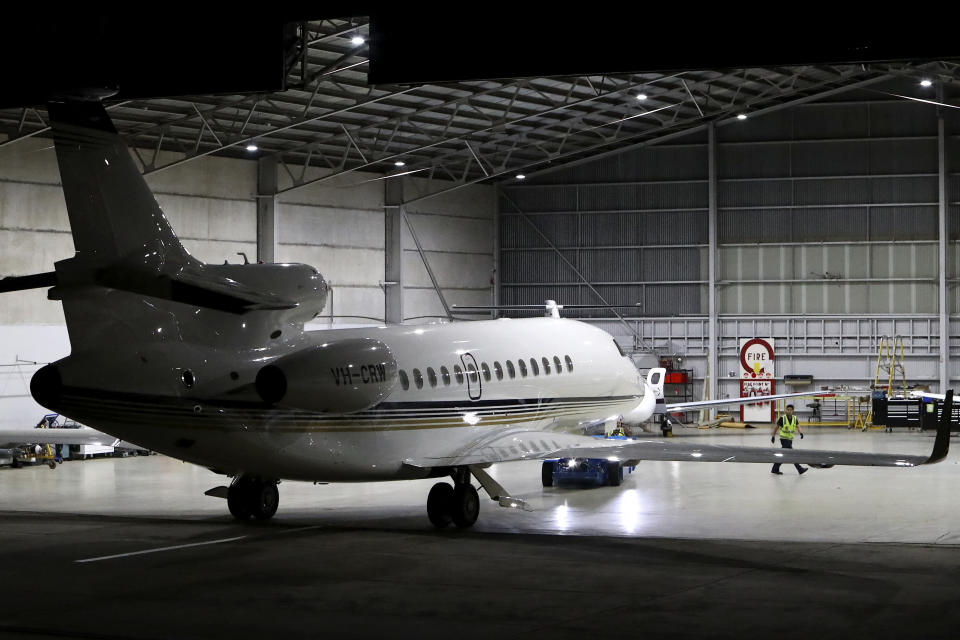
(46, 386)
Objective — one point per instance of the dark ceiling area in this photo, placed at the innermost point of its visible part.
(443, 99)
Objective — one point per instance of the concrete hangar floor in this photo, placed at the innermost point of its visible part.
(130, 548)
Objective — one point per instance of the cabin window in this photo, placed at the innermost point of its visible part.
(569, 363)
(510, 370)
(486, 371)
(458, 372)
(472, 372)
(556, 364)
(404, 380)
(432, 376)
(498, 370)
(546, 366)
(445, 376)
(418, 378)
(534, 367)
(523, 368)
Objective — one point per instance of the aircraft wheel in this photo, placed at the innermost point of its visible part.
(614, 474)
(546, 473)
(264, 499)
(439, 503)
(465, 505)
(52, 465)
(238, 498)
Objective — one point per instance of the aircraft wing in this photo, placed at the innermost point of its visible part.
(927, 395)
(540, 445)
(83, 435)
(680, 406)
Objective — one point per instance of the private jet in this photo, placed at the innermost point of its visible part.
(211, 364)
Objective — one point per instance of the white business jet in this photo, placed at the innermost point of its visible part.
(211, 364)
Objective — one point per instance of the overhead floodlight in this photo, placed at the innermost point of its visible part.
(741, 116)
(520, 176)
(925, 83)
(399, 163)
(252, 147)
(641, 96)
(357, 40)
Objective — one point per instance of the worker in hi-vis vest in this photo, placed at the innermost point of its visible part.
(787, 425)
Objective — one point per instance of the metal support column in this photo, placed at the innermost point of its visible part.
(943, 238)
(495, 274)
(712, 363)
(267, 235)
(393, 214)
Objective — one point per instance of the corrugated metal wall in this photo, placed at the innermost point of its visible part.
(847, 188)
(828, 208)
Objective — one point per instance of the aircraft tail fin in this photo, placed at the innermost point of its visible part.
(112, 212)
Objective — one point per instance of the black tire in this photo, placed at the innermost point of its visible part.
(439, 502)
(466, 506)
(546, 473)
(614, 474)
(264, 498)
(238, 499)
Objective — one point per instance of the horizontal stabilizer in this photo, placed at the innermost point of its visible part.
(210, 292)
(34, 281)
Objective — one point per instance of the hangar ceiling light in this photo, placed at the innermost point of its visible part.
(252, 147)
(925, 83)
(357, 40)
(741, 116)
(641, 96)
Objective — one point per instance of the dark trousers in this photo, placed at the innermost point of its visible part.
(786, 444)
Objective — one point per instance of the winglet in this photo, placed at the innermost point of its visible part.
(942, 444)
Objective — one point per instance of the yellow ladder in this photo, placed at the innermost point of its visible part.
(890, 361)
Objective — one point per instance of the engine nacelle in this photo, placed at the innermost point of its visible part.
(335, 377)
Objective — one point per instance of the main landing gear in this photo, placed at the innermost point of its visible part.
(252, 497)
(459, 504)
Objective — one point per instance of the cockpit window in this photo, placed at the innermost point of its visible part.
(655, 378)
(617, 344)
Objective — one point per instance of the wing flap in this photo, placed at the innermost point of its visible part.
(696, 404)
(540, 445)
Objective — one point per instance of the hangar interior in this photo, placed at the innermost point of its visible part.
(816, 204)
(833, 207)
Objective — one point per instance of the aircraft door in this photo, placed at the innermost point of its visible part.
(472, 371)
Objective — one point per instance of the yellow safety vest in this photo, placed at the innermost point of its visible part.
(788, 427)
